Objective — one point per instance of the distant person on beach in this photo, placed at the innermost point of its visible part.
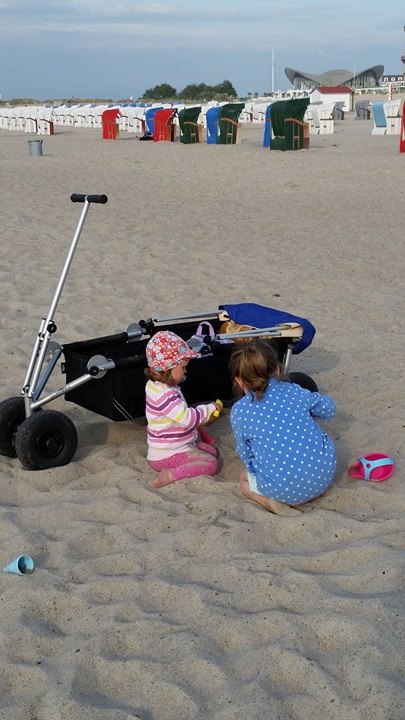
(178, 446)
(288, 458)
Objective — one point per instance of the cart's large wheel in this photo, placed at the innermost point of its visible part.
(302, 379)
(12, 414)
(44, 440)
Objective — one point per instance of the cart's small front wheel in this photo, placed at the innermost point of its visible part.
(45, 440)
(302, 379)
(12, 414)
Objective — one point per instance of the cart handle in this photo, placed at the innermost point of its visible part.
(79, 197)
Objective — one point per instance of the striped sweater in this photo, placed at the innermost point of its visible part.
(172, 425)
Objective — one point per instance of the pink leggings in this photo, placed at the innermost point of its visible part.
(203, 460)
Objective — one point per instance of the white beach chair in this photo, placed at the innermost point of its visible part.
(312, 118)
(393, 114)
(259, 112)
(247, 114)
(45, 125)
(31, 124)
(326, 118)
(20, 121)
(13, 119)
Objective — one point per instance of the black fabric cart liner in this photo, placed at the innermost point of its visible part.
(120, 394)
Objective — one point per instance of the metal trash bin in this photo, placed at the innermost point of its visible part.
(35, 147)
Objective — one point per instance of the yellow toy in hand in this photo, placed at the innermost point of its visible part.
(215, 413)
(220, 407)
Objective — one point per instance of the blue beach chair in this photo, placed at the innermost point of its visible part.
(267, 128)
(380, 121)
(150, 119)
(212, 117)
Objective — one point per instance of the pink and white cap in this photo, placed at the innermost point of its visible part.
(166, 350)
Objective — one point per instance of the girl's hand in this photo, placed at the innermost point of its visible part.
(220, 406)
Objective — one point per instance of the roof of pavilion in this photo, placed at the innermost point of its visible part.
(334, 77)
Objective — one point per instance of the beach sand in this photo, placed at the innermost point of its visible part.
(190, 603)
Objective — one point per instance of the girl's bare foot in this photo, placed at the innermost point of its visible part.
(164, 478)
(274, 506)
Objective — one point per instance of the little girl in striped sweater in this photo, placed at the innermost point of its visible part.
(178, 446)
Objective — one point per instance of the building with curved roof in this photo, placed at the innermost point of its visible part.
(308, 81)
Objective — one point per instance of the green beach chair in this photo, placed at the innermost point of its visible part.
(190, 129)
(228, 123)
(287, 124)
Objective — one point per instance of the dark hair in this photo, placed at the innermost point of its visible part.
(164, 376)
(254, 362)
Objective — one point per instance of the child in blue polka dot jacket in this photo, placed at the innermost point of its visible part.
(288, 458)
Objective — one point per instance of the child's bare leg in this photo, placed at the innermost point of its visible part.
(274, 506)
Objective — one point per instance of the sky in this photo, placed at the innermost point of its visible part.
(119, 48)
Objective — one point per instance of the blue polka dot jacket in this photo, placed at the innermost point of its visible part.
(292, 459)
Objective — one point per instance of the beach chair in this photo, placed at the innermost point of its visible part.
(247, 115)
(191, 131)
(106, 374)
(267, 127)
(150, 119)
(212, 120)
(110, 123)
(339, 110)
(311, 117)
(362, 110)
(165, 129)
(380, 121)
(326, 114)
(287, 124)
(229, 127)
(393, 112)
(402, 132)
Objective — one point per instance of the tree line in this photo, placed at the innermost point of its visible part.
(195, 91)
(200, 92)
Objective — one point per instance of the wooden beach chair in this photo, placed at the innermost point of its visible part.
(191, 131)
(229, 127)
(287, 124)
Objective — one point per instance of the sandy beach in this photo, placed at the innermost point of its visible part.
(188, 602)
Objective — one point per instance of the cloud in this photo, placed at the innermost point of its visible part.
(47, 13)
(177, 24)
(117, 48)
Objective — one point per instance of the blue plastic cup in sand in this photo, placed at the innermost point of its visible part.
(21, 565)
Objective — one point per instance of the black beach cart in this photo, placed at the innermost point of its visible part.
(106, 374)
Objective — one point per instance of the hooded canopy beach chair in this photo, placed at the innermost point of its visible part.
(165, 129)
(229, 127)
(150, 119)
(380, 121)
(110, 124)
(393, 113)
(190, 129)
(362, 110)
(267, 128)
(311, 117)
(287, 124)
(212, 119)
(222, 124)
(339, 110)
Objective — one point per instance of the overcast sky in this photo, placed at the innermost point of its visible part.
(119, 48)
